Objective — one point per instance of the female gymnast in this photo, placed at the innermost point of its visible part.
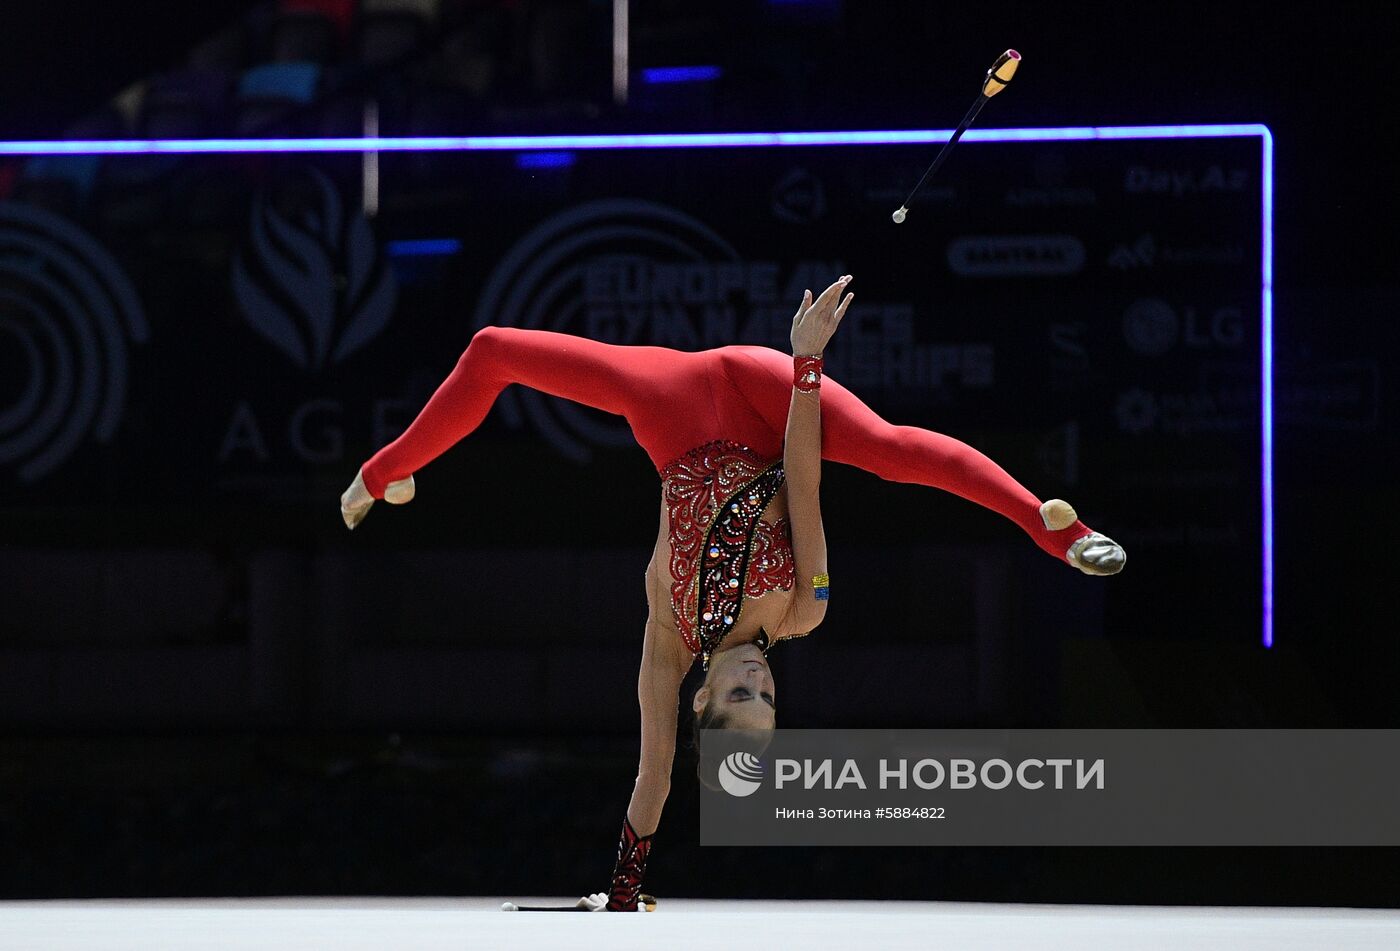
(738, 435)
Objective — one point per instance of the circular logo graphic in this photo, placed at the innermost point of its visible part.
(68, 314)
(601, 248)
(1151, 326)
(799, 197)
(740, 774)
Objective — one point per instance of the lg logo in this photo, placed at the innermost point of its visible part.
(1152, 327)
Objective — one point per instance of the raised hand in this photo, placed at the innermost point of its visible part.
(817, 320)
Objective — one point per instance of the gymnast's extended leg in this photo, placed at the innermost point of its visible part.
(647, 385)
(854, 434)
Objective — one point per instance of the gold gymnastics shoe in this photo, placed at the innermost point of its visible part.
(356, 500)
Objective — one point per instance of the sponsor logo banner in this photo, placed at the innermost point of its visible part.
(1184, 182)
(1032, 255)
(1146, 252)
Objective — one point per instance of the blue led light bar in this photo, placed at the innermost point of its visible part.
(422, 247)
(681, 74)
(545, 159)
(687, 140)
(692, 140)
(1266, 396)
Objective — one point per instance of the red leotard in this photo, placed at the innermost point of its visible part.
(712, 423)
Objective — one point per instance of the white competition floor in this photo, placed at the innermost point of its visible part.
(427, 924)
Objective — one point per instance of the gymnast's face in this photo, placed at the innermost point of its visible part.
(739, 689)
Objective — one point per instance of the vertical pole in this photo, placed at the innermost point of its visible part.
(620, 42)
(370, 161)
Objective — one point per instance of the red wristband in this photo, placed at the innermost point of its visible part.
(807, 373)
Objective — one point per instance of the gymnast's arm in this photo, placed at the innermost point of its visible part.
(802, 460)
(665, 661)
(664, 664)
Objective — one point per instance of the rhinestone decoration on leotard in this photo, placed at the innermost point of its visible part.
(721, 590)
(771, 564)
(714, 482)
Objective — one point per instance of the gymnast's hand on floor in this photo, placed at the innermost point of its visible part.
(815, 322)
(598, 901)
